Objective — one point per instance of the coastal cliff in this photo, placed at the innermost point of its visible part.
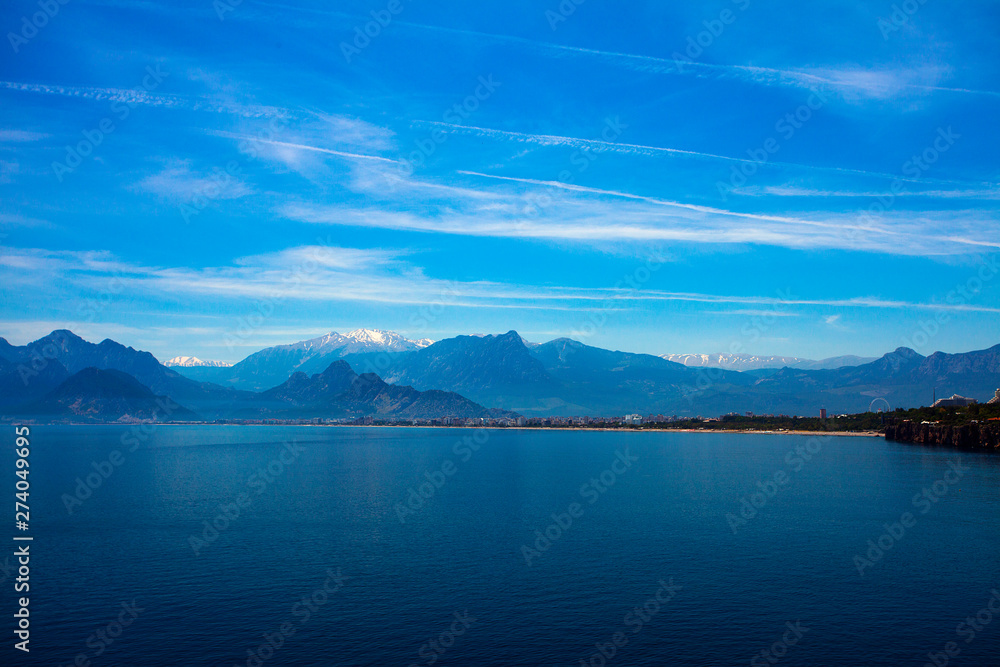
(973, 436)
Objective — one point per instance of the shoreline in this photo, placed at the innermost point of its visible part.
(869, 434)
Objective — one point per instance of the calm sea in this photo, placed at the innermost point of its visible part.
(379, 546)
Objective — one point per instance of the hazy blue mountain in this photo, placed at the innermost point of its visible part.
(115, 383)
(272, 366)
(458, 376)
(498, 371)
(103, 395)
(903, 378)
(66, 349)
(834, 362)
(339, 392)
(561, 377)
(753, 362)
(212, 374)
(565, 377)
(20, 382)
(602, 381)
(7, 351)
(480, 363)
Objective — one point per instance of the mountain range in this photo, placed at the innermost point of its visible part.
(63, 377)
(565, 377)
(272, 366)
(95, 394)
(339, 392)
(377, 373)
(752, 362)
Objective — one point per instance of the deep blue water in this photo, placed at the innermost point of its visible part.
(657, 525)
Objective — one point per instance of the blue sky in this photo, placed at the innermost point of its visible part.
(774, 178)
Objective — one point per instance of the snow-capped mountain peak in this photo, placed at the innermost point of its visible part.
(379, 340)
(358, 340)
(195, 362)
(374, 336)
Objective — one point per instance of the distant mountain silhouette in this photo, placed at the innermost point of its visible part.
(38, 363)
(104, 395)
(20, 383)
(566, 377)
(339, 392)
(272, 366)
(903, 377)
(459, 376)
(35, 383)
(561, 377)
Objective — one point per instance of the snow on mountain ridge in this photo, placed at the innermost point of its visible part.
(747, 362)
(735, 362)
(195, 362)
(358, 340)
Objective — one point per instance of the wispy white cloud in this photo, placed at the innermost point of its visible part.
(141, 96)
(18, 220)
(867, 83)
(8, 169)
(599, 146)
(12, 136)
(673, 204)
(304, 147)
(178, 182)
(597, 217)
(753, 312)
(785, 191)
(356, 132)
(333, 274)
